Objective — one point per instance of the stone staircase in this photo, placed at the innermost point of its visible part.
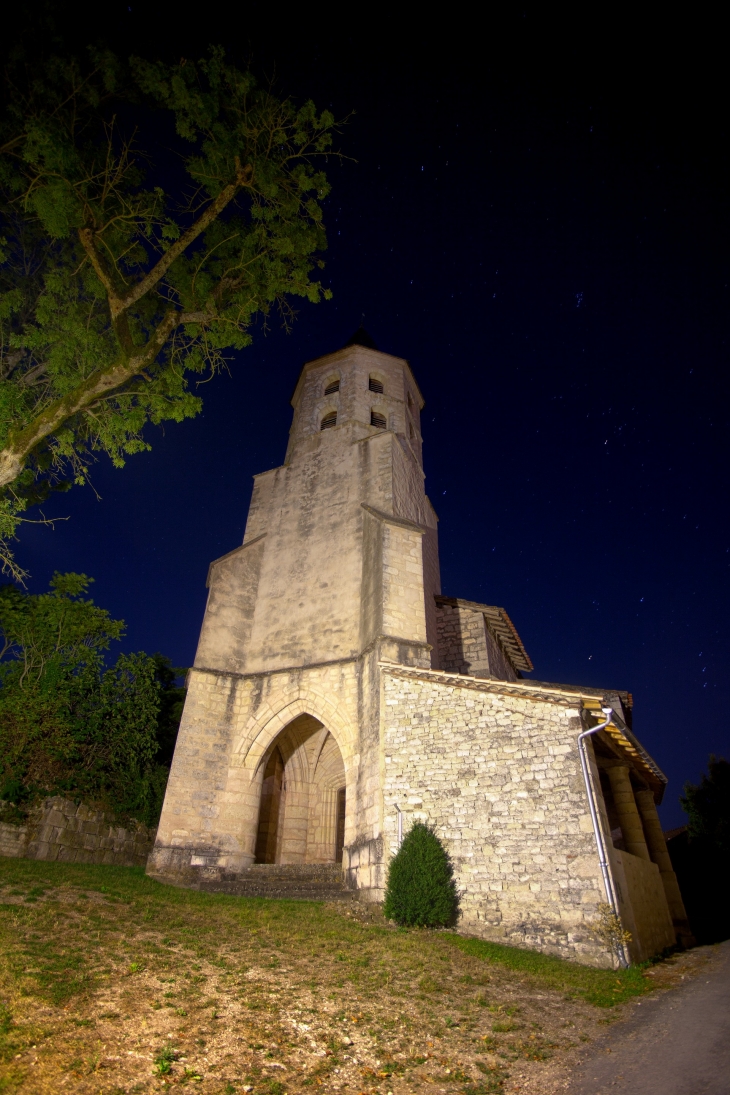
(295, 881)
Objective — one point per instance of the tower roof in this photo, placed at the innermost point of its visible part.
(500, 623)
(361, 338)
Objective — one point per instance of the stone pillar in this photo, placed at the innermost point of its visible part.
(659, 854)
(628, 814)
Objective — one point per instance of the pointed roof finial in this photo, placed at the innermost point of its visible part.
(361, 338)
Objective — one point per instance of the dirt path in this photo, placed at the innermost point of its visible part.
(681, 1047)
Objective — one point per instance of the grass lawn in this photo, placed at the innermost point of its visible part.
(111, 982)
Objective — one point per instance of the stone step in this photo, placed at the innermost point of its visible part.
(296, 869)
(292, 881)
(281, 874)
(292, 892)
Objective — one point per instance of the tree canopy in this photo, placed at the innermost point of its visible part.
(149, 213)
(70, 725)
(58, 627)
(701, 853)
(707, 805)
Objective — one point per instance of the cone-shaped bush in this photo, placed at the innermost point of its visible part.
(421, 891)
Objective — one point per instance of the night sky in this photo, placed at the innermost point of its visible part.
(535, 215)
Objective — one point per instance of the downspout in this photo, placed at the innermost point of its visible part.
(600, 844)
(400, 825)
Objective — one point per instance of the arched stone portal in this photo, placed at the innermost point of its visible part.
(302, 806)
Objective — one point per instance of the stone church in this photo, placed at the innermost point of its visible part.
(337, 697)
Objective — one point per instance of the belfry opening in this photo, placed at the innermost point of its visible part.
(303, 799)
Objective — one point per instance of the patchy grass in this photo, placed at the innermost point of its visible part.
(112, 983)
(604, 988)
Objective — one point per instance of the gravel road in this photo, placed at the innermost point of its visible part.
(676, 1043)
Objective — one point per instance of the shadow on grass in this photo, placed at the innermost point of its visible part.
(604, 988)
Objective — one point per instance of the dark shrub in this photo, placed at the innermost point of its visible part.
(421, 891)
(70, 724)
(701, 853)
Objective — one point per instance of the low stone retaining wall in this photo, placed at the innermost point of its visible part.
(63, 830)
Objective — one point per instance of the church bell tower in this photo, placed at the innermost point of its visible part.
(340, 549)
(337, 698)
(279, 756)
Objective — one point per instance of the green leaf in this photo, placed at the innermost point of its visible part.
(86, 216)
(420, 890)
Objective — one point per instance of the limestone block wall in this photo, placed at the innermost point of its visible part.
(229, 726)
(308, 583)
(462, 640)
(431, 588)
(328, 778)
(229, 614)
(409, 498)
(365, 866)
(322, 829)
(353, 402)
(75, 833)
(264, 485)
(642, 905)
(306, 603)
(498, 776)
(404, 611)
(13, 840)
(410, 501)
(466, 643)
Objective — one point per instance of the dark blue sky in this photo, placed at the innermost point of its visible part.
(537, 219)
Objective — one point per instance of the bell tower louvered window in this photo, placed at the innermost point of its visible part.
(378, 420)
(332, 387)
(329, 421)
(376, 385)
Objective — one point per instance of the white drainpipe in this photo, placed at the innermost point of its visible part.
(400, 825)
(600, 844)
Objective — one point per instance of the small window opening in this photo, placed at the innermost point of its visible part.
(375, 385)
(410, 401)
(329, 421)
(332, 387)
(410, 430)
(377, 420)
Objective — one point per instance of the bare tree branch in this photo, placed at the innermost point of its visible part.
(22, 443)
(117, 304)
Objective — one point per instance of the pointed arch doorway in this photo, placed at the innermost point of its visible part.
(303, 801)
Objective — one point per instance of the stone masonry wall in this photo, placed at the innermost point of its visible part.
(13, 840)
(210, 815)
(404, 613)
(466, 644)
(462, 640)
(498, 776)
(75, 833)
(499, 665)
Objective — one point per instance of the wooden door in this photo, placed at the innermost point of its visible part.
(270, 809)
(340, 839)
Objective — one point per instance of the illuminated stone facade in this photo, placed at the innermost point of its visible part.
(334, 687)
